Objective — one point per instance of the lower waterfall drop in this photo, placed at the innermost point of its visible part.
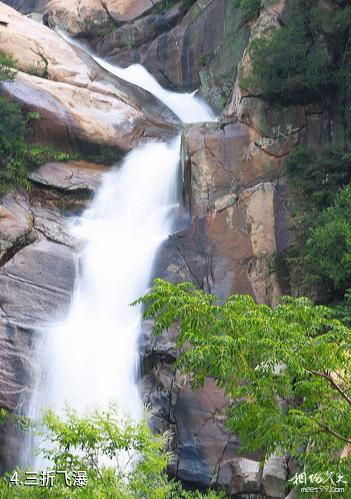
(92, 355)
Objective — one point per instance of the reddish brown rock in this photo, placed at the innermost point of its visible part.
(221, 160)
(78, 102)
(79, 17)
(238, 223)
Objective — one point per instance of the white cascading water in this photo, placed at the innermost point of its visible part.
(90, 358)
(186, 106)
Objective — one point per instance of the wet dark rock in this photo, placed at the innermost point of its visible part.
(53, 226)
(16, 222)
(27, 6)
(70, 176)
(274, 477)
(37, 283)
(202, 47)
(240, 475)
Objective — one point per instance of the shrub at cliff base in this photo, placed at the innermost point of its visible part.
(99, 455)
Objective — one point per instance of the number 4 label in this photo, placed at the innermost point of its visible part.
(14, 479)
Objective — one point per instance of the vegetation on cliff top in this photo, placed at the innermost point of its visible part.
(304, 60)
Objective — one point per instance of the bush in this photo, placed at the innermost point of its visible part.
(286, 370)
(249, 8)
(299, 62)
(289, 64)
(7, 67)
(317, 176)
(17, 158)
(115, 456)
(13, 169)
(328, 248)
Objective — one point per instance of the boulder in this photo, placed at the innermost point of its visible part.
(39, 50)
(16, 222)
(271, 120)
(235, 250)
(274, 477)
(267, 22)
(123, 43)
(73, 116)
(70, 176)
(79, 17)
(202, 442)
(233, 189)
(16, 377)
(50, 223)
(210, 35)
(239, 475)
(220, 160)
(37, 283)
(78, 101)
(15, 366)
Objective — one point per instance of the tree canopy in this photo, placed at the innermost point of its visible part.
(286, 369)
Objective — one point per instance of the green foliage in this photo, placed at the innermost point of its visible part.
(249, 8)
(164, 5)
(17, 158)
(288, 63)
(3, 415)
(299, 62)
(328, 248)
(7, 67)
(128, 40)
(287, 369)
(205, 58)
(38, 70)
(317, 176)
(121, 459)
(13, 169)
(342, 19)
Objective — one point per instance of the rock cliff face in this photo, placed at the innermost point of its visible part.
(235, 194)
(27, 6)
(184, 44)
(78, 101)
(37, 279)
(79, 17)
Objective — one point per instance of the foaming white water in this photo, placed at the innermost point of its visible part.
(186, 106)
(92, 354)
(90, 358)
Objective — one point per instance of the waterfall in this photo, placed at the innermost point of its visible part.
(186, 106)
(92, 354)
(90, 358)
